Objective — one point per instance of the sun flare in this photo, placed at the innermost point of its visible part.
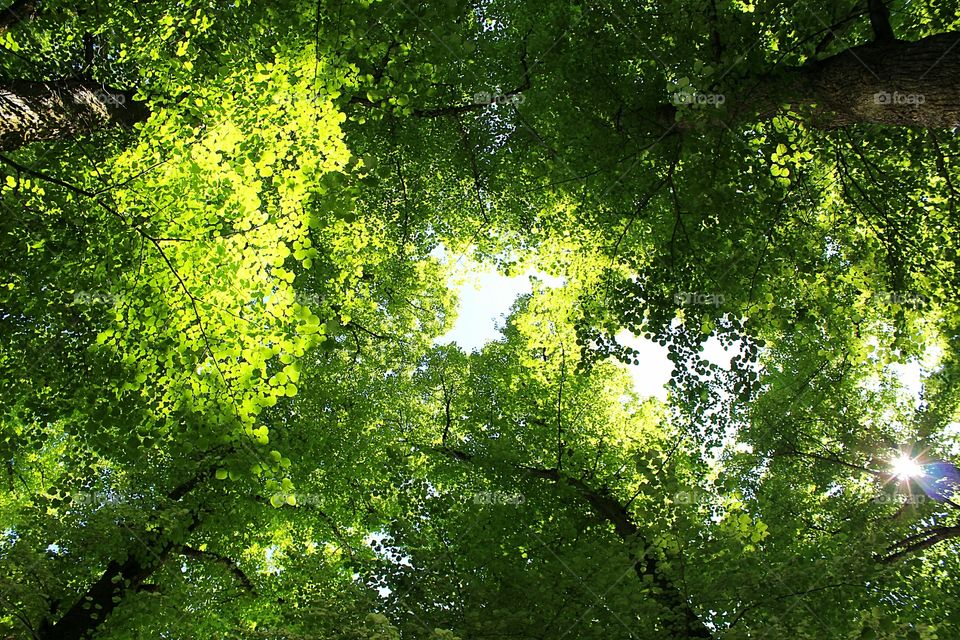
(904, 467)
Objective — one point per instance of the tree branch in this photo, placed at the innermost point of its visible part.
(610, 509)
(563, 378)
(837, 461)
(98, 601)
(231, 566)
(919, 542)
(446, 410)
(455, 110)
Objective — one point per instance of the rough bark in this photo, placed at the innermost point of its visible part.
(35, 111)
(889, 82)
(886, 82)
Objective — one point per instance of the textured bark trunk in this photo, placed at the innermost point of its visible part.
(35, 111)
(891, 83)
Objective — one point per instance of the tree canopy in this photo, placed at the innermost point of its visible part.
(227, 408)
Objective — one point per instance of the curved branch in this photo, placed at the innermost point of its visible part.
(831, 460)
(231, 566)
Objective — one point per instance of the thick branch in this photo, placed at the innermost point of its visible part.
(181, 490)
(446, 411)
(887, 82)
(97, 603)
(563, 377)
(919, 542)
(90, 610)
(687, 623)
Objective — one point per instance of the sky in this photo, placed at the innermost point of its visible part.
(485, 300)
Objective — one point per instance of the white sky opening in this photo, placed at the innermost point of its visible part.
(485, 298)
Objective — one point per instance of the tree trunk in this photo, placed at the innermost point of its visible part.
(121, 577)
(893, 83)
(34, 111)
(99, 601)
(889, 82)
